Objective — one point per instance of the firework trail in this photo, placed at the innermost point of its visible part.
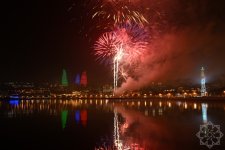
(124, 47)
(117, 59)
(107, 47)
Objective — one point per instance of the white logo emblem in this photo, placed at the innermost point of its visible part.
(209, 134)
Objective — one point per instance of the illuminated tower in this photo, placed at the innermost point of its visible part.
(203, 88)
(77, 79)
(83, 80)
(64, 80)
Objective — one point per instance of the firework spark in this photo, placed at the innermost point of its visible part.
(132, 38)
(124, 47)
(105, 46)
(135, 42)
(119, 12)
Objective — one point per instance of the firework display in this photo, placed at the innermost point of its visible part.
(126, 43)
(135, 41)
(123, 47)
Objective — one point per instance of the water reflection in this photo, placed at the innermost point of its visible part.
(152, 108)
(64, 115)
(13, 102)
(77, 116)
(204, 112)
(83, 117)
(141, 132)
(135, 124)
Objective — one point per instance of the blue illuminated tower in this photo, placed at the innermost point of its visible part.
(203, 88)
(77, 79)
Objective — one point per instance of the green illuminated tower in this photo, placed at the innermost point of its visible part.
(64, 81)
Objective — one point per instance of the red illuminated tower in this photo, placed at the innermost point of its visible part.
(83, 80)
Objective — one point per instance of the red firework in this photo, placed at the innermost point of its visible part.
(105, 46)
(133, 41)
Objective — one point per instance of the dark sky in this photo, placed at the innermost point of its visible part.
(41, 37)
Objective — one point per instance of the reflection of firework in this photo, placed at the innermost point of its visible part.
(119, 12)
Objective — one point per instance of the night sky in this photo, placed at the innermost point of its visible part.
(41, 37)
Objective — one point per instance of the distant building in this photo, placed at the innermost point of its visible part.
(107, 88)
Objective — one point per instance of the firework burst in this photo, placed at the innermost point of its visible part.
(105, 46)
(124, 47)
(119, 12)
(132, 38)
(135, 42)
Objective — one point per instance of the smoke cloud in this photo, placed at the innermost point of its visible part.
(183, 47)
